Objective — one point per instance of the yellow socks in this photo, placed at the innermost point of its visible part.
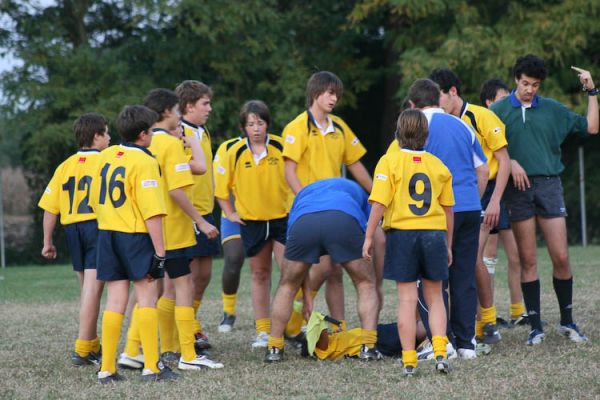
(95, 344)
(184, 317)
(148, 322)
(439, 346)
(409, 357)
(83, 347)
(229, 303)
(369, 337)
(275, 342)
(132, 346)
(516, 310)
(263, 325)
(479, 328)
(197, 326)
(294, 325)
(488, 315)
(166, 323)
(111, 331)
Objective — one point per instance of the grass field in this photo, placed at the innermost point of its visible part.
(38, 323)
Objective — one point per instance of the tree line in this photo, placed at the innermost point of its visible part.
(89, 55)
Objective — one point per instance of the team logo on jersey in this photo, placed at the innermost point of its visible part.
(497, 130)
(182, 167)
(272, 160)
(81, 160)
(417, 160)
(355, 141)
(248, 164)
(290, 139)
(221, 170)
(120, 154)
(381, 177)
(149, 183)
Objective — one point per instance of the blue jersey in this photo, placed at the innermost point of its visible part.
(454, 142)
(332, 194)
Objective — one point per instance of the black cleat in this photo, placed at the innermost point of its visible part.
(368, 354)
(91, 359)
(491, 334)
(165, 374)
(105, 377)
(273, 355)
(296, 341)
(442, 365)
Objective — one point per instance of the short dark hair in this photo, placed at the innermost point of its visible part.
(424, 93)
(530, 65)
(445, 78)
(319, 83)
(161, 100)
(490, 89)
(133, 120)
(412, 129)
(257, 107)
(189, 92)
(87, 126)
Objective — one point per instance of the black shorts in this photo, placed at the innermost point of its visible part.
(123, 256)
(326, 232)
(255, 234)
(503, 221)
(543, 198)
(414, 254)
(82, 239)
(178, 262)
(204, 246)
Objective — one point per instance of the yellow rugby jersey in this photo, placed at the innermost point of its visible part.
(342, 344)
(178, 230)
(259, 187)
(127, 189)
(413, 185)
(490, 132)
(68, 192)
(203, 190)
(220, 156)
(320, 156)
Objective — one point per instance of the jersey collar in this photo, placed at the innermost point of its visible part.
(88, 151)
(463, 109)
(159, 131)
(330, 128)
(514, 101)
(135, 146)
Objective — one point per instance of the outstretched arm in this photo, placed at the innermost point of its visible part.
(592, 112)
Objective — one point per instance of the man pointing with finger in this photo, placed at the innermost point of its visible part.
(535, 129)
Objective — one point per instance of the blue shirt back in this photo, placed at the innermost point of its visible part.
(332, 194)
(454, 142)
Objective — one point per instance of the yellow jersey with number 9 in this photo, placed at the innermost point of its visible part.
(413, 186)
(68, 192)
(126, 190)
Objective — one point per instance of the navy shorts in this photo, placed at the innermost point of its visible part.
(415, 254)
(177, 262)
(123, 256)
(255, 234)
(543, 198)
(229, 230)
(204, 246)
(503, 221)
(82, 239)
(326, 232)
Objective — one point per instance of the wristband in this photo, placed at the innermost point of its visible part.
(157, 267)
(593, 92)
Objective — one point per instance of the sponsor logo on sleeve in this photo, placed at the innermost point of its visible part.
(149, 183)
(290, 139)
(355, 141)
(497, 130)
(182, 167)
(221, 170)
(381, 177)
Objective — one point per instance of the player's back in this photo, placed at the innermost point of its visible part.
(68, 192)
(127, 189)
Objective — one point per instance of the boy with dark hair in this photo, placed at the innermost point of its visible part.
(413, 189)
(317, 145)
(194, 105)
(67, 194)
(493, 90)
(535, 129)
(129, 202)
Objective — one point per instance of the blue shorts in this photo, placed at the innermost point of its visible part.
(178, 262)
(543, 198)
(229, 230)
(123, 256)
(255, 234)
(415, 254)
(204, 246)
(325, 232)
(82, 239)
(503, 221)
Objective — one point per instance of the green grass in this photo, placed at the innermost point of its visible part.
(38, 323)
